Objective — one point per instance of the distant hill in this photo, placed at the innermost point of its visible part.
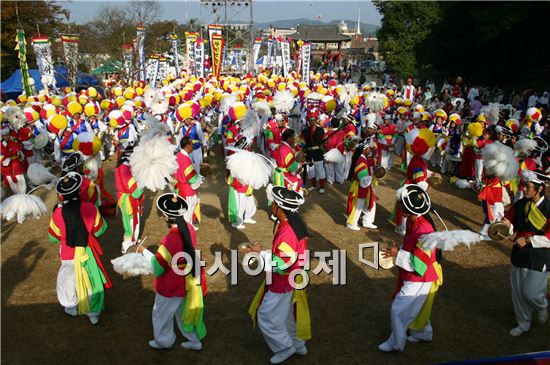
(366, 28)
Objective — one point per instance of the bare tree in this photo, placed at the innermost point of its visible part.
(144, 11)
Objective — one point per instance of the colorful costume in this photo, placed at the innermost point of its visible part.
(129, 201)
(420, 276)
(361, 199)
(187, 182)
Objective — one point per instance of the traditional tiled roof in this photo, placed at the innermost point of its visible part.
(319, 33)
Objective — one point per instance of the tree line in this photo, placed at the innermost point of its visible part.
(498, 43)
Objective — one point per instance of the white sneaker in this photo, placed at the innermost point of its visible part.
(72, 311)
(282, 356)
(94, 319)
(412, 339)
(250, 221)
(192, 345)
(321, 190)
(126, 245)
(369, 225)
(484, 237)
(237, 226)
(385, 347)
(196, 228)
(353, 227)
(542, 316)
(311, 188)
(388, 169)
(302, 351)
(516, 331)
(154, 345)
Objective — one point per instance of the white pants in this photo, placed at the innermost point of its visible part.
(399, 145)
(66, 287)
(246, 207)
(165, 311)
(409, 157)
(335, 172)
(529, 289)
(196, 157)
(478, 168)
(368, 214)
(192, 202)
(317, 171)
(276, 321)
(497, 211)
(387, 159)
(437, 159)
(404, 310)
(348, 156)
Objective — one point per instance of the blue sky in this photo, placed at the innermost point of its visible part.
(264, 11)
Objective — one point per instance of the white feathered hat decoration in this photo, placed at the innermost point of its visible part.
(492, 113)
(21, 206)
(16, 117)
(262, 108)
(153, 163)
(375, 102)
(500, 161)
(154, 128)
(448, 240)
(525, 146)
(249, 168)
(283, 101)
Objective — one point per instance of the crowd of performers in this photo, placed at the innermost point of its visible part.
(308, 135)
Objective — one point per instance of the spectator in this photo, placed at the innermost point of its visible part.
(476, 105)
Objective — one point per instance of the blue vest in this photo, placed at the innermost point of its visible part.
(192, 135)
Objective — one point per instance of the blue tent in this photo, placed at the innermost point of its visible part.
(14, 84)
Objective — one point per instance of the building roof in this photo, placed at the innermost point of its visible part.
(319, 33)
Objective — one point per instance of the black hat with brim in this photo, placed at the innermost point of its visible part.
(287, 199)
(69, 183)
(415, 199)
(172, 205)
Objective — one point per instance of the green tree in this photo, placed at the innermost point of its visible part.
(405, 25)
(33, 15)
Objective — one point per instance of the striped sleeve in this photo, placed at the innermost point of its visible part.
(163, 259)
(54, 233)
(284, 257)
(190, 174)
(100, 225)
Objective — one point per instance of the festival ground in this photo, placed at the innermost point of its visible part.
(471, 318)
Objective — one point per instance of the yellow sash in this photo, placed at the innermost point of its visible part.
(535, 216)
(299, 300)
(83, 283)
(193, 302)
(425, 313)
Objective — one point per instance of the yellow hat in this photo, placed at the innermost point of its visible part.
(74, 107)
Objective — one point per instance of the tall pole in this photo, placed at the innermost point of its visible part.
(251, 45)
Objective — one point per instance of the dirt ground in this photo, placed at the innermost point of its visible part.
(471, 317)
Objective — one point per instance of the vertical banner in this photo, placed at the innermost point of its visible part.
(150, 69)
(269, 52)
(155, 69)
(217, 53)
(70, 50)
(20, 46)
(140, 47)
(42, 49)
(128, 58)
(214, 29)
(256, 50)
(306, 58)
(162, 68)
(285, 50)
(175, 42)
(199, 57)
(190, 39)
